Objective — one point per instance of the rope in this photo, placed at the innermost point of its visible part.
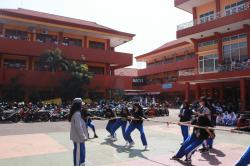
(235, 130)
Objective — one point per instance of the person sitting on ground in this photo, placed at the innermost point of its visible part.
(220, 119)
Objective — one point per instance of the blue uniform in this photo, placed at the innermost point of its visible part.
(185, 116)
(111, 115)
(245, 159)
(79, 154)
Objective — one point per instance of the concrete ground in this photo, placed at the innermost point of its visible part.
(48, 144)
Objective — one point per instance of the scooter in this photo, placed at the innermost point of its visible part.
(10, 115)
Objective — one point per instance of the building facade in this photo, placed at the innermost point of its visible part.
(25, 35)
(218, 39)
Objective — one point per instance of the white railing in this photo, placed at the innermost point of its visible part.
(213, 17)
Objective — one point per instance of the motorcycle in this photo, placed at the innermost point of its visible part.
(33, 115)
(59, 115)
(10, 115)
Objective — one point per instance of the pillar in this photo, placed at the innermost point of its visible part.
(60, 38)
(220, 53)
(218, 5)
(108, 44)
(108, 69)
(30, 64)
(247, 28)
(187, 90)
(197, 91)
(1, 30)
(242, 94)
(195, 15)
(85, 42)
(195, 43)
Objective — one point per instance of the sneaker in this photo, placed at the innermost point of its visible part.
(146, 148)
(210, 146)
(131, 144)
(188, 161)
(175, 158)
(109, 136)
(204, 150)
(127, 143)
(95, 136)
(83, 164)
(113, 138)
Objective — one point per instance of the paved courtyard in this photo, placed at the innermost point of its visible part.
(48, 144)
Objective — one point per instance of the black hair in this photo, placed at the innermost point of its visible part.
(75, 107)
(138, 106)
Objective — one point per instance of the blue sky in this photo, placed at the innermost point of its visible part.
(153, 21)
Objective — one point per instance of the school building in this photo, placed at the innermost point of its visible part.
(211, 56)
(25, 35)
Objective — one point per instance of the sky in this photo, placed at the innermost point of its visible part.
(153, 21)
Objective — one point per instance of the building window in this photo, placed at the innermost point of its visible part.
(97, 45)
(235, 8)
(16, 34)
(209, 16)
(72, 42)
(235, 52)
(45, 38)
(190, 55)
(41, 67)
(14, 64)
(207, 43)
(180, 58)
(96, 70)
(235, 37)
(208, 63)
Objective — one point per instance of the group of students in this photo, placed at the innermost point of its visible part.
(201, 135)
(226, 119)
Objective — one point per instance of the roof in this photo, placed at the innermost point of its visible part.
(61, 20)
(127, 72)
(164, 47)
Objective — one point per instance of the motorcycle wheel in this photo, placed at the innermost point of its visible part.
(16, 118)
(45, 118)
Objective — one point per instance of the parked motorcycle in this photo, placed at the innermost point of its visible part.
(10, 115)
(34, 115)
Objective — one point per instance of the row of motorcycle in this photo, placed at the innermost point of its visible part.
(34, 114)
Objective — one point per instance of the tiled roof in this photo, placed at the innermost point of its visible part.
(51, 18)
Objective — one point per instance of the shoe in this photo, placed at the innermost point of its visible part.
(175, 158)
(83, 164)
(146, 148)
(204, 150)
(109, 136)
(210, 146)
(127, 143)
(113, 138)
(131, 144)
(188, 161)
(95, 136)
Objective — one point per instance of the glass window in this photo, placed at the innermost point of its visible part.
(208, 63)
(14, 64)
(96, 70)
(72, 42)
(235, 52)
(209, 16)
(45, 38)
(16, 34)
(97, 45)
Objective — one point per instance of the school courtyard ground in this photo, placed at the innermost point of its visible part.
(48, 144)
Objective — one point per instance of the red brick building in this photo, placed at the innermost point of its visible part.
(26, 34)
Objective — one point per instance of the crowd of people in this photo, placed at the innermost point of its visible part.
(201, 114)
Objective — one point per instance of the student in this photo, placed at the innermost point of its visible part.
(136, 123)
(185, 116)
(195, 140)
(111, 115)
(78, 132)
(88, 121)
(245, 158)
(121, 122)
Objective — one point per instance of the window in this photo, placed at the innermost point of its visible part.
(41, 67)
(16, 34)
(180, 58)
(207, 43)
(14, 64)
(96, 70)
(45, 38)
(208, 63)
(97, 45)
(190, 55)
(209, 16)
(235, 8)
(235, 52)
(72, 42)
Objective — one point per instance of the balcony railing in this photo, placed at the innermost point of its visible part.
(213, 17)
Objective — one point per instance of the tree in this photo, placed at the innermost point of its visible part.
(54, 60)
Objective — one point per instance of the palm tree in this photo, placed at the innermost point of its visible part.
(54, 60)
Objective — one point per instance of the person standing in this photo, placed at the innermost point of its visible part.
(121, 122)
(136, 123)
(185, 116)
(78, 132)
(111, 115)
